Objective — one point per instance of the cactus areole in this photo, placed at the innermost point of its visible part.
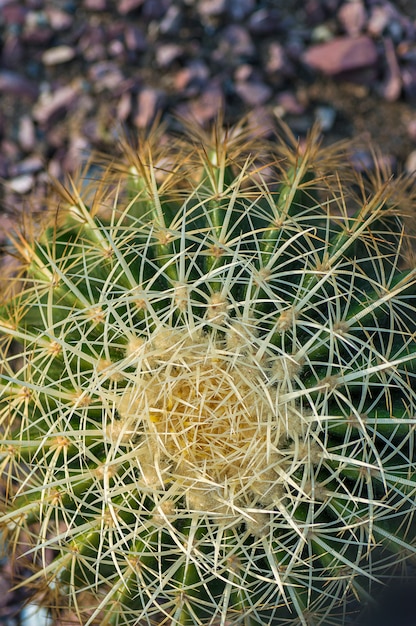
(207, 386)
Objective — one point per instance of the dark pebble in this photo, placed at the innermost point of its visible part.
(265, 22)
(13, 84)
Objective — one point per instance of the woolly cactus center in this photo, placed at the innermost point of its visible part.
(207, 417)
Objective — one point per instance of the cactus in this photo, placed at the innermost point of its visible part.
(207, 385)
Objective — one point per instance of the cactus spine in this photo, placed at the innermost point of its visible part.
(207, 387)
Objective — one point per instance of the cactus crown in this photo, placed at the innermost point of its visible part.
(207, 386)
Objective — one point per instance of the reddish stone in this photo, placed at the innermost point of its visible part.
(192, 78)
(253, 93)
(392, 86)
(149, 102)
(207, 106)
(96, 5)
(126, 6)
(353, 17)
(342, 54)
(289, 103)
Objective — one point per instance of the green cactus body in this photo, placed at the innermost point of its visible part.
(207, 388)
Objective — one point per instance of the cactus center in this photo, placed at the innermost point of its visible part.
(207, 420)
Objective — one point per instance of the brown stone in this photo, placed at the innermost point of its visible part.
(149, 102)
(14, 84)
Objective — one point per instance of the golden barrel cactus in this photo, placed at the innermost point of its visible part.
(208, 386)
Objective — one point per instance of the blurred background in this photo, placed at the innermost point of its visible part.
(76, 74)
(73, 72)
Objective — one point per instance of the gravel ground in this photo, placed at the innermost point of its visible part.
(72, 73)
(75, 73)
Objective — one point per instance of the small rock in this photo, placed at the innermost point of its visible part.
(59, 20)
(124, 106)
(260, 122)
(342, 54)
(26, 133)
(13, 14)
(352, 16)
(392, 87)
(409, 82)
(34, 615)
(56, 135)
(167, 53)
(207, 106)
(105, 75)
(115, 48)
(406, 51)
(149, 102)
(78, 150)
(92, 43)
(37, 5)
(37, 31)
(410, 165)
(378, 20)
(252, 90)
(361, 160)
(253, 94)
(191, 78)
(171, 21)
(10, 150)
(411, 129)
(234, 42)
(322, 33)
(12, 53)
(4, 172)
(96, 5)
(135, 39)
(55, 103)
(265, 22)
(58, 55)
(325, 115)
(155, 9)
(239, 9)
(315, 12)
(245, 72)
(212, 8)
(387, 19)
(55, 168)
(7, 225)
(277, 61)
(287, 102)
(127, 6)
(30, 165)
(21, 184)
(294, 48)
